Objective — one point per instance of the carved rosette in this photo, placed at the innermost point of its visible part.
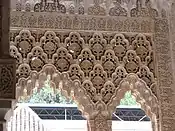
(141, 46)
(98, 77)
(146, 75)
(74, 44)
(24, 42)
(97, 45)
(75, 73)
(15, 54)
(62, 60)
(120, 46)
(50, 43)
(131, 62)
(37, 58)
(109, 62)
(86, 61)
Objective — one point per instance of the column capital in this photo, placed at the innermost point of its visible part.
(7, 66)
(100, 122)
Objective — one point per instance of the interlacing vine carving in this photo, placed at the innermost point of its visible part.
(45, 6)
(96, 72)
(94, 7)
(117, 10)
(140, 11)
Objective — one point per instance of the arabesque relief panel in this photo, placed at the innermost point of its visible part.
(97, 57)
(88, 65)
(165, 71)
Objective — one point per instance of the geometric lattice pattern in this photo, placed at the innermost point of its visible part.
(70, 112)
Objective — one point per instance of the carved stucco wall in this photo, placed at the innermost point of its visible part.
(98, 58)
(172, 40)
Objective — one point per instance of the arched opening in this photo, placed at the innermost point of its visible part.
(130, 113)
(42, 105)
(45, 95)
(142, 95)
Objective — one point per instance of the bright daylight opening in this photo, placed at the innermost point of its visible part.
(48, 110)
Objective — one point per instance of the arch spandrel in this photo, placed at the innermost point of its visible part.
(86, 90)
(94, 106)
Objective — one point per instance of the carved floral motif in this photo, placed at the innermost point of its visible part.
(37, 58)
(24, 42)
(97, 45)
(146, 75)
(132, 62)
(74, 44)
(141, 11)
(109, 62)
(15, 54)
(75, 73)
(86, 61)
(120, 46)
(98, 77)
(62, 60)
(96, 9)
(117, 10)
(50, 43)
(49, 6)
(141, 46)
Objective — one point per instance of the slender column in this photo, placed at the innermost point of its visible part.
(101, 121)
(99, 125)
(2, 126)
(7, 65)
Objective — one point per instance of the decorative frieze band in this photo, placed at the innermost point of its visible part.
(80, 22)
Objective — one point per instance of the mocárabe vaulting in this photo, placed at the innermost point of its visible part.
(95, 53)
